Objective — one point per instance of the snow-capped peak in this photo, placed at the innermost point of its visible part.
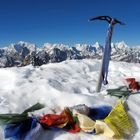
(23, 51)
(121, 45)
(49, 46)
(97, 45)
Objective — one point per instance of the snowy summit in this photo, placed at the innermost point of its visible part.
(68, 83)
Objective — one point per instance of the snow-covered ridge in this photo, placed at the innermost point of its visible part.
(21, 53)
(64, 84)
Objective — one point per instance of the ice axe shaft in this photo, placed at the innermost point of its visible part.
(107, 50)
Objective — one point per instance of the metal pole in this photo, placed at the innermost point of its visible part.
(107, 50)
(104, 66)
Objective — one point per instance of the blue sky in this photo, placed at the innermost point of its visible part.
(66, 21)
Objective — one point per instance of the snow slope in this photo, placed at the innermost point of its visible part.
(68, 83)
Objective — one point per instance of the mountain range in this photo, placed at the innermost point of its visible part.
(24, 53)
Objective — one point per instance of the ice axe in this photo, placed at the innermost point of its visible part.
(108, 19)
(107, 49)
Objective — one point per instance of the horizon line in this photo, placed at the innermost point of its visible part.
(67, 44)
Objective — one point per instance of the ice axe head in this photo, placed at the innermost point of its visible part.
(108, 19)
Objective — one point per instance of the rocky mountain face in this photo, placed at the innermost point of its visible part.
(16, 54)
(23, 53)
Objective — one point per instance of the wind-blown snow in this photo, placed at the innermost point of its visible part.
(63, 84)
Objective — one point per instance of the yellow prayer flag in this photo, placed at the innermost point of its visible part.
(119, 121)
